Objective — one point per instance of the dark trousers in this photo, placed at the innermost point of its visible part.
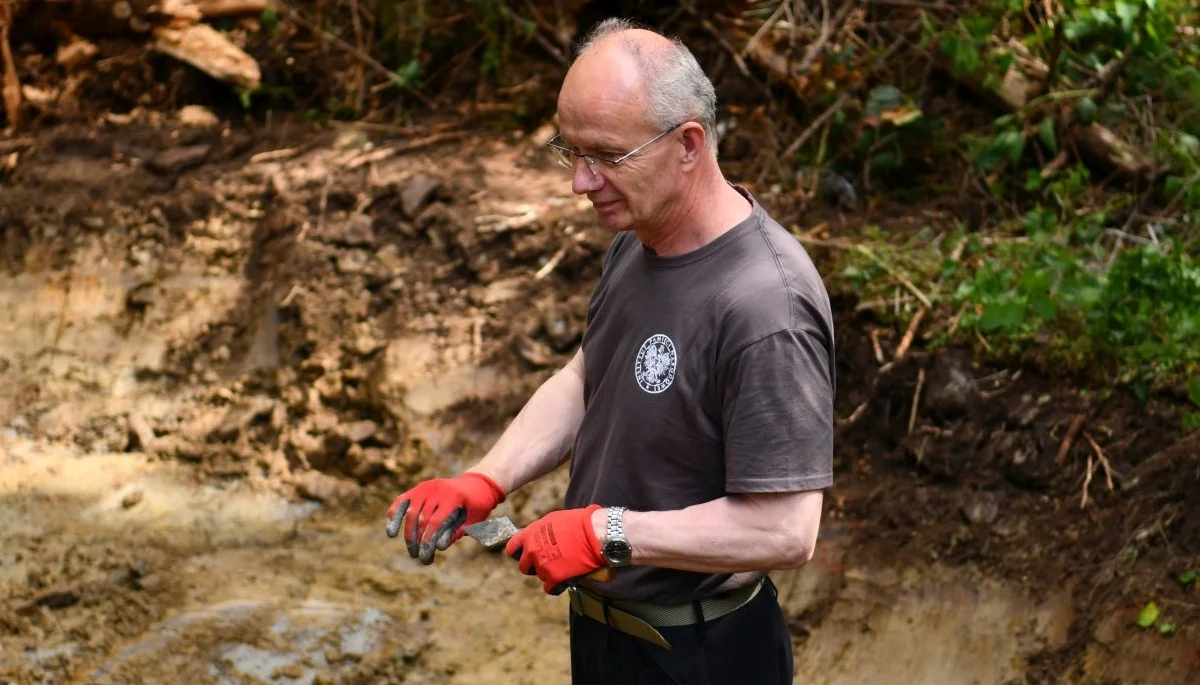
(750, 646)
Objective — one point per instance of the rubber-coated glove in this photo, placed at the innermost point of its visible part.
(439, 509)
(558, 547)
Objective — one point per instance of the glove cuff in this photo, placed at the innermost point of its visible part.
(497, 492)
(594, 542)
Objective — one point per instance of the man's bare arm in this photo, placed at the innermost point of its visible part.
(732, 534)
(540, 437)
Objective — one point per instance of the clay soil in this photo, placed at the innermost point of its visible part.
(305, 320)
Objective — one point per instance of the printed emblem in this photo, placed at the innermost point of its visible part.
(654, 368)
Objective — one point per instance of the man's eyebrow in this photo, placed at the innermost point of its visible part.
(606, 144)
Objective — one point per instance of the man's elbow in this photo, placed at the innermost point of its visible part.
(799, 551)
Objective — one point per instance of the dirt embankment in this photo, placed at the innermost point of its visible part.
(328, 315)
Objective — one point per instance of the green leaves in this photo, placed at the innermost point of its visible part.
(1046, 135)
(1148, 615)
(1188, 577)
(1006, 148)
(1126, 12)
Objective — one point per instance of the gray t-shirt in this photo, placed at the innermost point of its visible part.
(707, 374)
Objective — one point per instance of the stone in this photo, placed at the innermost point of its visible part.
(141, 435)
(132, 499)
(197, 116)
(178, 159)
(359, 431)
(352, 262)
(325, 488)
(982, 508)
(503, 290)
(366, 344)
(417, 193)
(952, 390)
(560, 328)
(370, 464)
(240, 416)
(357, 232)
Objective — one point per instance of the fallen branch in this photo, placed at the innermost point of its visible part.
(1087, 480)
(916, 402)
(1024, 82)
(855, 415)
(227, 8)
(1069, 438)
(370, 61)
(11, 88)
(538, 37)
(909, 334)
(359, 160)
(842, 99)
(1108, 470)
(909, 285)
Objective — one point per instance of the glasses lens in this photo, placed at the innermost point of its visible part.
(563, 159)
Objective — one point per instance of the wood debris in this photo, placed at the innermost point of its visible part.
(176, 29)
(205, 48)
(1024, 81)
(227, 8)
(10, 88)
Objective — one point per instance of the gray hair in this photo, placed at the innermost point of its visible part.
(677, 88)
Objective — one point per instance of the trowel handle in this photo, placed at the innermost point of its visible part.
(602, 574)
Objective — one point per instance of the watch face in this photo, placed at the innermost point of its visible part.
(617, 551)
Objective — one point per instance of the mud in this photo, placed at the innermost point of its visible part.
(223, 366)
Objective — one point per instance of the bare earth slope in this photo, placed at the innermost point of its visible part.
(224, 351)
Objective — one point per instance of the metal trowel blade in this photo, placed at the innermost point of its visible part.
(493, 532)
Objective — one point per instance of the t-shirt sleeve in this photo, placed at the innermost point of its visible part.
(777, 408)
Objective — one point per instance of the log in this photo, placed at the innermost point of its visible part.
(1024, 81)
(229, 8)
(205, 48)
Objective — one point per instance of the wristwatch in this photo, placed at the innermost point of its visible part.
(615, 549)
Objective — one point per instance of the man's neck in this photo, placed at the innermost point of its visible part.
(702, 213)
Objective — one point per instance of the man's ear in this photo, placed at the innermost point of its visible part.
(693, 138)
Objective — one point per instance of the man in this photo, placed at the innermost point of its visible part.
(698, 410)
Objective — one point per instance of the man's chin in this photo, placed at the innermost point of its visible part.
(614, 216)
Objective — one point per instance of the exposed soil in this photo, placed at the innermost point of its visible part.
(229, 347)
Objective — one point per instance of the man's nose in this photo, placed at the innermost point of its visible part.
(583, 180)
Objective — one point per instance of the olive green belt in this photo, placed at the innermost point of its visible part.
(642, 619)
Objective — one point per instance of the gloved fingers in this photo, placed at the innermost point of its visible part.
(448, 531)
(514, 545)
(516, 550)
(430, 532)
(525, 563)
(412, 537)
(396, 515)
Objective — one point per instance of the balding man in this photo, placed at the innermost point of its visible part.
(697, 414)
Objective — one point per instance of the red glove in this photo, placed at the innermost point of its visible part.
(441, 507)
(558, 547)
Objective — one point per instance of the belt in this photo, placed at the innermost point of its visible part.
(642, 619)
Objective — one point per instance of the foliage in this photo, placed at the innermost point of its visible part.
(1130, 313)
(1073, 271)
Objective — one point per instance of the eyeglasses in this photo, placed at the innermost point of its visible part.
(566, 156)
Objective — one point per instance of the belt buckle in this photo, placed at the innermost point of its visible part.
(573, 595)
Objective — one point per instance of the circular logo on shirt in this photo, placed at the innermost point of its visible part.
(654, 368)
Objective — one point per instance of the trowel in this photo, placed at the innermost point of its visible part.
(495, 532)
